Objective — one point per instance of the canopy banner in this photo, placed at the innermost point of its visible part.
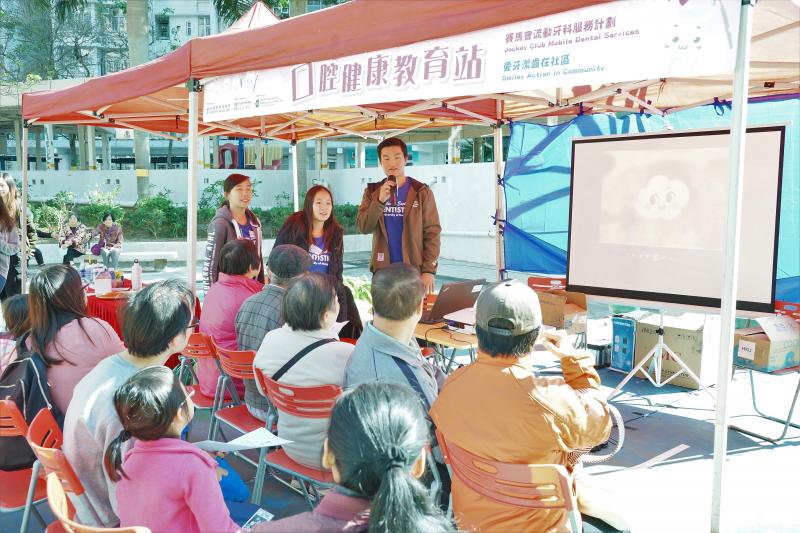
(605, 43)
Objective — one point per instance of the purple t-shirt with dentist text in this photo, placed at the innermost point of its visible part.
(393, 219)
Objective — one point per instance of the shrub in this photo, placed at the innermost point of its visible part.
(53, 213)
(99, 204)
(360, 287)
(158, 216)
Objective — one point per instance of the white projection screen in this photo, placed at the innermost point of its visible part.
(647, 217)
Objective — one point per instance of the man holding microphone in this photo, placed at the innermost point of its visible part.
(401, 214)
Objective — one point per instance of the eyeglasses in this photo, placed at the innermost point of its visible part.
(193, 325)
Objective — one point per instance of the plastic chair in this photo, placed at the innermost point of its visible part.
(234, 364)
(199, 346)
(45, 439)
(304, 402)
(59, 504)
(14, 485)
(522, 485)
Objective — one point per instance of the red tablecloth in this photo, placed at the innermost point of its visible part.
(110, 311)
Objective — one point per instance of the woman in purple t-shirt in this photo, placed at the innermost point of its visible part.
(316, 230)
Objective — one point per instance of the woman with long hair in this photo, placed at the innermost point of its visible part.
(316, 230)
(70, 342)
(376, 448)
(9, 234)
(233, 220)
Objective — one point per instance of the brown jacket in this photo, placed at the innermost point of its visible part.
(500, 409)
(421, 228)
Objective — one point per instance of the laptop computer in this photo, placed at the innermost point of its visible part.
(452, 297)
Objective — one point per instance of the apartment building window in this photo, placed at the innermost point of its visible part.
(162, 27)
(188, 28)
(203, 26)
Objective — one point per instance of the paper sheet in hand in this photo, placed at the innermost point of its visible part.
(258, 438)
(260, 516)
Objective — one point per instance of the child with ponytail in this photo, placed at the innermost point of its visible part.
(163, 483)
(376, 452)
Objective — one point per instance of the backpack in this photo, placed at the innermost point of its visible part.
(24, 382)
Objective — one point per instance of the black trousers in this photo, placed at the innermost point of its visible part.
(13, 282)
(71, 254)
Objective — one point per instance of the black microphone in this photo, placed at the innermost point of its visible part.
(391, 179)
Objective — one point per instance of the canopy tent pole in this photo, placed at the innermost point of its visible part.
(499, 193)
(295, 178)
(730, 274)
(23, 214)
(191, 201)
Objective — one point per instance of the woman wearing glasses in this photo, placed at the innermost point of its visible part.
(68, 339)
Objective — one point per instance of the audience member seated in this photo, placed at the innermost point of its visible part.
(238, 266)
(310, 309)
(73, 237)
(376, 452)
(498, 408)
(263, 312)
(15, 316)
(110, 240)
(70, 342)
(154, 410)
(157, 324)
(387, 350)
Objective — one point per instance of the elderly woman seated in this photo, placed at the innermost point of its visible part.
(310, 309)
(239, 265)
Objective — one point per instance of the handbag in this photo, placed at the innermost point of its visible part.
(99, 246)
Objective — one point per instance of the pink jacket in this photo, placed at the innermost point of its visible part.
(188, 500)
(83, 343)
(218, 319)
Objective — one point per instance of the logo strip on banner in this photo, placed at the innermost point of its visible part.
(606, 43)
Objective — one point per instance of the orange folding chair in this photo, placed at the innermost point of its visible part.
(234, 364)
(523, 485)
(304, 402)
(237, 364)
(59, 504)
(15, 484)
(45, 438)
(197, 348)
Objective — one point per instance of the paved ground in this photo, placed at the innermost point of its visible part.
(661, 480)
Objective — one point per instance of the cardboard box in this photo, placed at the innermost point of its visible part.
(563, 310)
(692, 336)
(773, 345)
(598, 341)
(623, 331)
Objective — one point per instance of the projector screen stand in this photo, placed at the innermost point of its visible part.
(655, 357)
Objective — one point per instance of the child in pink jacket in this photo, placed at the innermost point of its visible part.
(164, 483)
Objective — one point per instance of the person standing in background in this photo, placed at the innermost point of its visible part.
(9, 240)
(316, 230)
(233, 220)
(9, 196)
(401, 214)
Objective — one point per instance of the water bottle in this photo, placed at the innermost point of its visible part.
(83, 273)
(136, 275)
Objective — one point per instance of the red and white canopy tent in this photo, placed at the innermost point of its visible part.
(267, 82)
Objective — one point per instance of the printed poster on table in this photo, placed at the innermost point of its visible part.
(606, 43)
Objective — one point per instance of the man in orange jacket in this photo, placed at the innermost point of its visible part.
(500, 409)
